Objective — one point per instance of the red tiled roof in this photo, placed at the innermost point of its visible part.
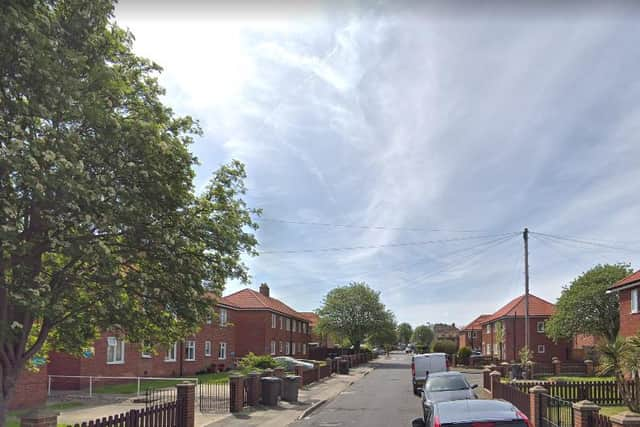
(311, 317)
(476, 323)
(635, 277)
(248, 299)
(537, 307)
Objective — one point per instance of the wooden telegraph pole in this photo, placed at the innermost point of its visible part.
(525, 236)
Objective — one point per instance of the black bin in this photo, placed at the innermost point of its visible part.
(343, 367)
(270, 390)
(290, 387)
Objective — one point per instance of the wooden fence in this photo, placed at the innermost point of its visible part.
(163, 415)
(601, 421)
(520, 399)
(603, 393)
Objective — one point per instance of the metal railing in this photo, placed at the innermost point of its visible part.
(555, 412)
(94, 379)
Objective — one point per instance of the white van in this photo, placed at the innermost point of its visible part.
(425, 364)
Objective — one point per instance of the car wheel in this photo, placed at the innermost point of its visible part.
(415, 391)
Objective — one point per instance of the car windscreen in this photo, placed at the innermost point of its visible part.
(514, 423)
(448, 383)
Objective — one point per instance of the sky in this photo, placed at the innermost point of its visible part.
(408, 145)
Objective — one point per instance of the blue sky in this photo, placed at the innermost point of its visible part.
(398, 121)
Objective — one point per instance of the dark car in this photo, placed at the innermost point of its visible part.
(469, 413)
(445, 386)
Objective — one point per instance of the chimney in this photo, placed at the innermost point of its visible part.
(264, 289)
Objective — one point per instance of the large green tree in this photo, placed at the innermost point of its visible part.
(404, 332)
(385, 335)
(585, 307)
(99, 223)
(352, 312)
(423, 336)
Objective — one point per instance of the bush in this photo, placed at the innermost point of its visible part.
(445, 346)
(463, 355)
(251, 361)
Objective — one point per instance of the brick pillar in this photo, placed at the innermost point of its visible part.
(253, 388)
(267, 373)
(584, 413)
(236, 393)
(486, 383)
(186, 410)
(557, 365)
(330, 365)
(536, 405)
(495, 382)
(278, 372)
(625, 419)
(39, 418)
(300, 372)
(589, 367)
(316, 370)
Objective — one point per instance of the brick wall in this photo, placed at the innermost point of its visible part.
(254, 333)
(471, 342)
(31, 390)
(629, 323)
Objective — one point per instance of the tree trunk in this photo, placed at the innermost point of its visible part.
(8, 383)
(4, 407)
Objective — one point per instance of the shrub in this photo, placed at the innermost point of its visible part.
(251, 361)
(445, 346)
(463, 355)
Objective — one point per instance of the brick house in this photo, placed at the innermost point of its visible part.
(31, 390)
(628, 290)
(317, 339)
(510, 318)
(212, 348)
(471, 335)
(266, 325)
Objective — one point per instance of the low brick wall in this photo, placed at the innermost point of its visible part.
(31, 390)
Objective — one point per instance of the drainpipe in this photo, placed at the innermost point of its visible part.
(180, 357)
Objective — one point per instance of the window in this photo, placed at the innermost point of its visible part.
(274, 320)
(293, 348)
(207, 348)
(634, 300)
(281, 347)
(474, 334)
(145, 351)
(170, 355)
(488, 329)
(304, 348)
(288, 324)
(287, 348)
(295, 324)
(273, 347)
(469, 334)
(223, 316)
(115, 350)
(222, 351)
(281, 322)
(540, 327)
(540, 348)
(304, 327)
(190, 350)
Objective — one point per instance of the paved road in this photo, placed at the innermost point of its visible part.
(384, 398)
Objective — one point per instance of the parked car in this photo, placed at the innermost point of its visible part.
(379, 351)
(443, 387)
(467, 413)
(424, 364)
(289, 363)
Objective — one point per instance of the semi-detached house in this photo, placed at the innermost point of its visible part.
(471, 335)
(266, 325)
(628, 290)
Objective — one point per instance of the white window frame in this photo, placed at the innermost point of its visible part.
(294, 326)
(541, 347)
(207, 348)
(224, 316)
(273, 347)
(634, 301)
(281, 322)
(171, 354)
(287, 324)
(190, 347)
(222, 351)
(304, 348)
(293, 348)
(281, 347)
(474, 334)
(274, 321)
(540, 327)
(488, 328)
(287, 348)
(145, 354)
(114, 343)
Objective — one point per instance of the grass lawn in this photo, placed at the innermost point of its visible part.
(131, 387)
(578, 379)
(612, 410)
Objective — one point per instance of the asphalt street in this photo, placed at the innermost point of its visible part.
(384, 398)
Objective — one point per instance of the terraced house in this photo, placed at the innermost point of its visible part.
(471, 335)
(266, 325)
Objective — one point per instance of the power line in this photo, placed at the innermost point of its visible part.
(390, 245)
(585, 242)
(365, 227)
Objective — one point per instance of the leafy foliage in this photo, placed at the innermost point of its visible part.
(405, 331)
(385, 335)
(352, 312)
(251, 361)
(423, 336)
(445, 346)
(621, 358)
(464, 354)
(584, 307)
(525, 355)
(99, 223)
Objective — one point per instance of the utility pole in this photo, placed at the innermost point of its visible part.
(525, 237)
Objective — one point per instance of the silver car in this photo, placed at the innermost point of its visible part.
(289, 363)
(443, 387)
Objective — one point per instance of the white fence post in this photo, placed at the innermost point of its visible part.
(138, 392)
(49, 387)
(90, 386)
